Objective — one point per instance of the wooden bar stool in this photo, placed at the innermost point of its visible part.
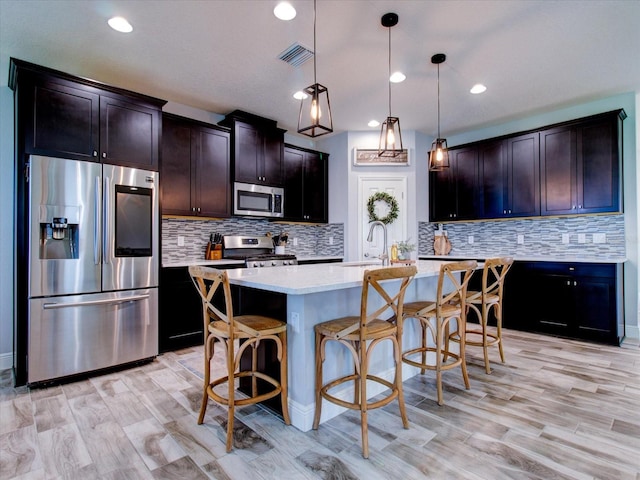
(481, 302)
(223, 326)
(436, 317)
(354, 333)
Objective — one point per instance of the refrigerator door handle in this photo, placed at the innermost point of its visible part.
(107, 301)
(105, 234)
(96, 226)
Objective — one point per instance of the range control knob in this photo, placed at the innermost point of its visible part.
(262, 264)
(274, 263)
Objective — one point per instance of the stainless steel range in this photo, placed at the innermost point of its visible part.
(255, 251)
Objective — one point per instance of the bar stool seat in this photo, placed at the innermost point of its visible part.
(436, 319)
(360, 335)
(221, 325)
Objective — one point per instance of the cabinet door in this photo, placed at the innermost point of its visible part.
(442, 199)
(248, 153)
(59, 120)
(493, 179)
(272, 157)
(598, 172)
(175, 168)
(467, 186)
(211, 173)
(595, 316)
(294, 170)
(523, 176)
(558, 169)
(129, 133)
(180, 322)
(316, 187)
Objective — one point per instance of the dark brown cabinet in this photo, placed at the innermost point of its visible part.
(194, 172)
(455, 191)
(576, 300)
(580, 167)
(306, 185)
(64, 116)
(570, 168)
(257, 149)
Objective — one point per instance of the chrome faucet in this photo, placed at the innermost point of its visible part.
(384, 255)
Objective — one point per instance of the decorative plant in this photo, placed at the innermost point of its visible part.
(405, 247)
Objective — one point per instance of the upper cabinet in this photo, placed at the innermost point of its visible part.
(571, 168)
(64, 116)
(306, 185)
(580, 166)
(194, 170)
(257, 149)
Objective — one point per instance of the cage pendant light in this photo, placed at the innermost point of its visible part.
(315, 110)
(439, 154)
(390, 144)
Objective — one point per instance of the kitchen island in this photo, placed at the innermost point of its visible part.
(314, 294)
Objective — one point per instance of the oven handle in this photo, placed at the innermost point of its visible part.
(106, 301)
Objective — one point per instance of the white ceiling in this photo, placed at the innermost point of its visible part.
(221, 55)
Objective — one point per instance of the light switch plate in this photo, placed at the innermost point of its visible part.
(295, 241)
(582, 238)
(470, 239)
(330, 240)
(565, 238)
(180, 241)
(520, 239)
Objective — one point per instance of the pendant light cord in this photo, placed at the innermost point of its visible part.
(314, 43)
(438, 100)
(389, 77)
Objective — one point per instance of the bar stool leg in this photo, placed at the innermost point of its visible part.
(284, 379)
(319, 359)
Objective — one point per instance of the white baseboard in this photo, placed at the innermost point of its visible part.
(6, 360)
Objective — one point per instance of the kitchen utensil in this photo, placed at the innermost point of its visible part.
(207, 252)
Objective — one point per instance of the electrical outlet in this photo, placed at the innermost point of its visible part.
(330, 240)
(180, 241)
(565, 238)
(582, 238)
(294, 321)
(599, 238)
(295, 241)
(520, 239)
(470, 239)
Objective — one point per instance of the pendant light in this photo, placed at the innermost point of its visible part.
(439, 155)
(315, 110)
(390, 135)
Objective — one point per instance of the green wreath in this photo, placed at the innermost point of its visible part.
(389, 200)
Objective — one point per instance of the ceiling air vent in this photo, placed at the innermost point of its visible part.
(296, 55)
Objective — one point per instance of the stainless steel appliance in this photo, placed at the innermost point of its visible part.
(258, 200)
(93, 267)
(256, 251)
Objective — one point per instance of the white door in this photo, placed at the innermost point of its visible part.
(395, 186)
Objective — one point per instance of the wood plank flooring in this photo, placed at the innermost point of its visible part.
(556, 409)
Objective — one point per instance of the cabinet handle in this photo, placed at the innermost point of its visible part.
(193, 209)
(573, 207)
(95, 153)
(568, 283)
(575, 283)
(198, 209)
(580, 206)
(104, 154)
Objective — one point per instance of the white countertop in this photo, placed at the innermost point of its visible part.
(524, 258)
(323, 277)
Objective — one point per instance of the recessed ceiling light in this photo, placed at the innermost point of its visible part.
(397, 77)
(284, 11)
(120, 24)
(373, 123)
(300, 95)
(478, 88)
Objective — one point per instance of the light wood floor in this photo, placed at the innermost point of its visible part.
(556, 409)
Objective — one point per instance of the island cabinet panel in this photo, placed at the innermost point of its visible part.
(581, 167)
(455, 191)
(60, 115)
(306, 185)
(564, 299)
(257, 149)
(195, 170)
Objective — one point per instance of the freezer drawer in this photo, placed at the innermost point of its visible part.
(80, 333)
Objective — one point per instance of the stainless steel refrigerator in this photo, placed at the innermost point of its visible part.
(93, 260)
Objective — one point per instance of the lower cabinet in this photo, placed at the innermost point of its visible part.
(576, 300)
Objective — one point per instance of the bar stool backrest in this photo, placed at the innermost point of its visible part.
(458, 274)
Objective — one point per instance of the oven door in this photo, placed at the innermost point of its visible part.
(130, 238)
(258, 200)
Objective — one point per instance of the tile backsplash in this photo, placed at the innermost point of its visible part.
(540, 237)
(312, 240)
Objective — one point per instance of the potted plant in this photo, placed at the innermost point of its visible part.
(405, 248)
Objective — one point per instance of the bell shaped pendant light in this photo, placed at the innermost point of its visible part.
(439, 154)
(390, 135)
(315, 110)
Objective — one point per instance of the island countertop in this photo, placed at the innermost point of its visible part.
(305, 279)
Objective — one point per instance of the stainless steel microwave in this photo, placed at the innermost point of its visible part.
(258, 200)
